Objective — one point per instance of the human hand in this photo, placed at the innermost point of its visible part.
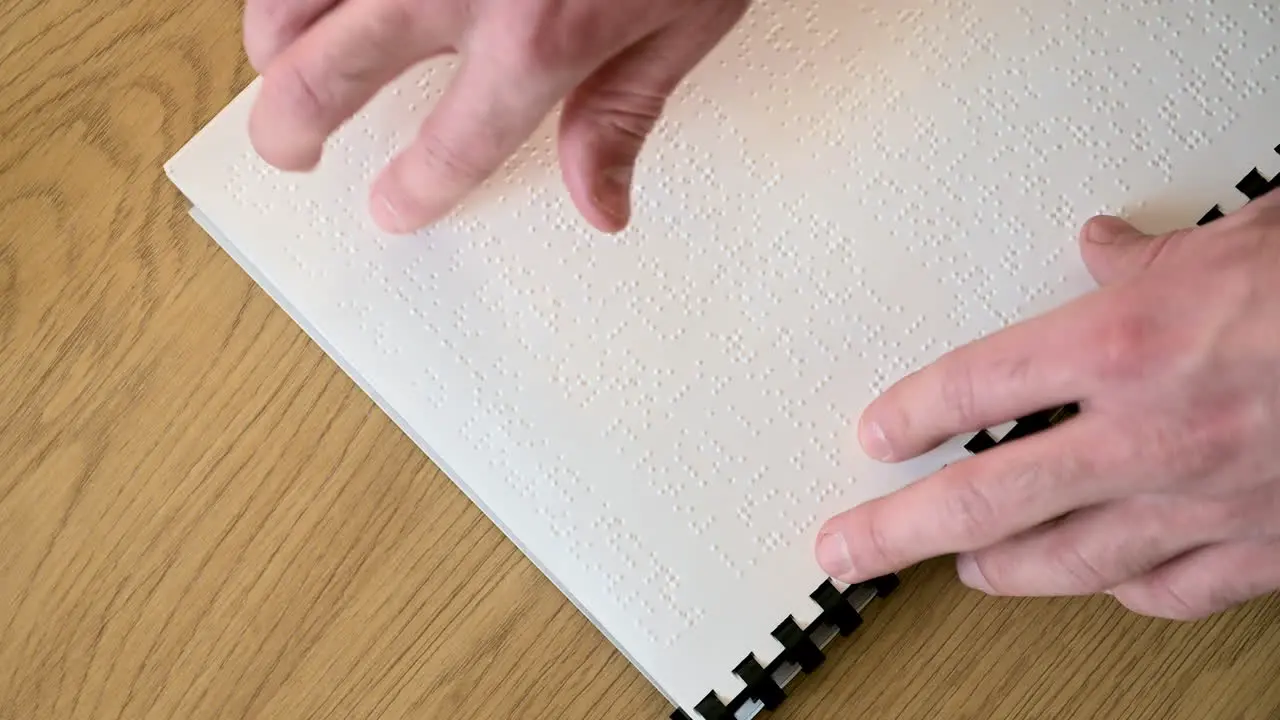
(1164, 491)
(612, 62)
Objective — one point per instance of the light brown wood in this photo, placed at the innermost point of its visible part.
(201, 517)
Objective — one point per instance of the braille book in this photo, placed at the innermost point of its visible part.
(662, 419)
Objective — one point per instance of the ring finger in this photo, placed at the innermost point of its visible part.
(1207, 581)
(1099, 547)
(1090, 550)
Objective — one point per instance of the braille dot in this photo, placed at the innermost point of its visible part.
(842, 195)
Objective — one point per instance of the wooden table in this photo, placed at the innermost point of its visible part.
(201, 517)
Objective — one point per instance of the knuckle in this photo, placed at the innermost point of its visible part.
(545, 54)
(544, 37)
(1190, 450)
(270, 16)
(259, 49)
(262, 34)
(399, 19)
(970, 510)
(879, 550)
(1162, 450)
(1163, 600)
(1016, 371)
(297, 92)
(264, 17)
(394, 21)
(1249, 515)
(1086, 572)
(1231, 516)
(1131, 345)
(1213, 446)
(441, 157)
(269, 25)
(626, 113)
(956, 389)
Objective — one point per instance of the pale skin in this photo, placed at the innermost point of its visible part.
(612, 63)
(1163, 492)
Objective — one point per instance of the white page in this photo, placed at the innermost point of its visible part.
(661, 420)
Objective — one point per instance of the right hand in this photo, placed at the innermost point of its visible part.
(1164, 491)
(614, 63)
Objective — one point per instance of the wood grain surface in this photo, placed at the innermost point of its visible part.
(201, 517)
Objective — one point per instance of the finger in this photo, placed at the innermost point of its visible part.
(489, 110)
(1044, 362)
(975, 503)
(1040, 363)
(1114, 250)
(332, 70)
(607, 119)
(1206, 582)
(272, 25)
(1091, 550)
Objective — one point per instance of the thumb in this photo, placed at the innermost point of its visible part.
(607, 119)
(1114, 250)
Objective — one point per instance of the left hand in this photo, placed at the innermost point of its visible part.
(1163, 492)
(610, 64)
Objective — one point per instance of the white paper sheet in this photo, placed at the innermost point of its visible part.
(661, 420)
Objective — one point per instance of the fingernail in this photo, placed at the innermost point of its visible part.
(969, 573)
(613, 193)
(1108, 230)
(386, 215)
(875, 442)
(833, 556)
(1097, 231)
